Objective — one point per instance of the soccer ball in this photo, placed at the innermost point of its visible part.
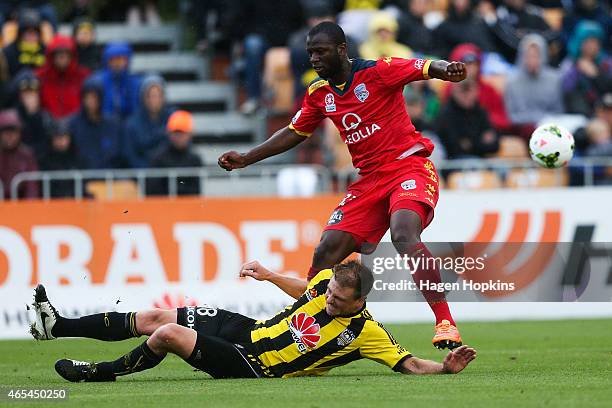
(551, 146)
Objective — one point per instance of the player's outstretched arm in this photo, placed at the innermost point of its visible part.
(294, 287)
(281, 141)
(447, 71)
(454, 362)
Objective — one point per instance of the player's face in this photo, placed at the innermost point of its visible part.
(325, 56)
(340, 301)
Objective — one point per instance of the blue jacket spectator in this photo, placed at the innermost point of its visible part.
(121, 87)
(145, 130)
(589, 74)
(583, 10)
(96, 135)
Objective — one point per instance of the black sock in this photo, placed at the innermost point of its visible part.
(110, 326)
(139, 359)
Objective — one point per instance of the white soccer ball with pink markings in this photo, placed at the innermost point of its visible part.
(551, 146)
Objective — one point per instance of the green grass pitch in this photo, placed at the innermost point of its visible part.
(520, 364)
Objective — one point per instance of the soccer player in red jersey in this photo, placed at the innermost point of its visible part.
(398, 187)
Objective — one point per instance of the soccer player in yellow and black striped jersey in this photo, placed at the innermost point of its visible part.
(328, 326)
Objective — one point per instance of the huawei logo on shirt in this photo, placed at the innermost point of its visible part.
(305, 331)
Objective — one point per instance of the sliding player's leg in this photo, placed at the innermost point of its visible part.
(213, 355)
(108, 326)
(406, 225)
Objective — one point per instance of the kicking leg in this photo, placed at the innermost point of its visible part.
(406, 228)
(109, 326)
(335, 245)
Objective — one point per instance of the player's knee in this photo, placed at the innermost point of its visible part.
(325, 253)
(167, 334)
(405, 235)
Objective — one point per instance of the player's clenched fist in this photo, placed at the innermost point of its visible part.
(232, 160)
(455, 71)
(255, 271)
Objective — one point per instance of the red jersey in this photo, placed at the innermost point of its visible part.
(369, 111)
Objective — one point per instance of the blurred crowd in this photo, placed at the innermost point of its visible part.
(67, 103)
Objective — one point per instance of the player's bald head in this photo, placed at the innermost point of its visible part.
(329, 31)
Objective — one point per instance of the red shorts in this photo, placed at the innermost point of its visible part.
(365, 211)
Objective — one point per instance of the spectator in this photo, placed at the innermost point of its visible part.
(412, 29)
(27, 51)
(591, 10)
(36, 122)
(416, 106)
(600, 140)
(146, 13)
(43, 8)
(356, 15)
(121, 87)
(533, 90)
(490, 99)
(513, 20)
(15, 157)
(382, 39)
(177, 153)
(461, 26)
(590, 74)
(260, 25)
(146, 129)
(600, 145)
(420, 92)
(97, 136)
(465, 129)
(61, 78)
(5, 80)
(88, 52)
(603, 109)
(78, 9)
(61, 154)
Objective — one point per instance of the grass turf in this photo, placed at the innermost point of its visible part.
(519, 364)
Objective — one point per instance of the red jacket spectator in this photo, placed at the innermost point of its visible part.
(15, 157)
(61, 78)
(490, 100)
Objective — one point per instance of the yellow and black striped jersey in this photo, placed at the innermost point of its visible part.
(304, 340)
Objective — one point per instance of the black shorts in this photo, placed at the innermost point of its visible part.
(225, 340)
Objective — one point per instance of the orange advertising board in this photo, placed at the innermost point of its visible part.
(159, 239)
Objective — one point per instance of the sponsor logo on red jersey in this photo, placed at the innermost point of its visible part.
(361, 92)
(330, 104)
(354, 132)
(305, 331)
(409, 185)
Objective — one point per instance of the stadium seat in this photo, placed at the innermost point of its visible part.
(142, 38)
(228, 127)
(201, 96)
(119, 190)
(173, 66)
(512, 147)
(278, 79)
(527, 178)
(474, 180)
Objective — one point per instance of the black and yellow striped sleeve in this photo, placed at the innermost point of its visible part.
(380, 345)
